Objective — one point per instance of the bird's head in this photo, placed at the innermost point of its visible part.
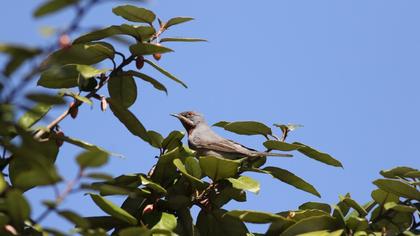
(189, 119)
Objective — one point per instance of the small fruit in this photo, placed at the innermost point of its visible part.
(139, 62)
(104, 104)
(59, 141)
(64, 41)
(74, 110)
(157, 56)
(148, 208)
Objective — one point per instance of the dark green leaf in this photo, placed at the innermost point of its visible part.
(178, 163)
(177, 20)
(59, 77)
(217, 222)
(152, 185)
(113, 210)
(193, 166)
(315, 223)
(75, 218)
(89, 71)
(317, 155)
(397, 172)
(288, 178)
(399, 207)
(134, 14)
(92, 159)
(257, 217)
(245, 183)
(281, 146)
(156, 84)
(128, 119)
(3, 184)
(182, 40)
(104, 222)
(33, 115)
(46, 98)
(245, 127)
(316, 205)
(86, 54)
(52, 6)
(123, 89)
(382, 197)
(17, 207)
(356, 223)
(141, 49)
(140, 33)
(186, 224)
(82, 144)
(353, 204)
(398, 188)
(173, 140)
(155, 138)
(219, 168)
(166, 73)
(18, 55)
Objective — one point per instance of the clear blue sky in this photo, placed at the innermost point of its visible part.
(347, 70)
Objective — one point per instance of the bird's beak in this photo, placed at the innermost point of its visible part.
(175, 115)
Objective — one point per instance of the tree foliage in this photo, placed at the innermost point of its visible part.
(158, 202)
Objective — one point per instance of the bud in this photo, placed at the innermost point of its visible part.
(74, 110)
(148, 208)
(157, 56)
(139, 62)
(64, 41)
(104, 104)
(59, 141)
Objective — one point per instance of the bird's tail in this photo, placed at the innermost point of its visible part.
(272, 154)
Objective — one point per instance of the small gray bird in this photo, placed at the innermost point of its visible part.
(206, 142)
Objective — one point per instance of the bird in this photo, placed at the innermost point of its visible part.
(206, 142)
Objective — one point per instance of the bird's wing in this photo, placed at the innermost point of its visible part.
(225, 145)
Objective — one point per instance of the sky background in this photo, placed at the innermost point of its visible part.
(347, 70)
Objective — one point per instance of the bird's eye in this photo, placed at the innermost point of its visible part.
(189, 114)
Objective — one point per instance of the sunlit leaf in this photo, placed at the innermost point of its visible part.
(398, 188)
(317, 155)
(245, 183)
(219, 168)
(92, 159)
(86, 54)
(32, 116)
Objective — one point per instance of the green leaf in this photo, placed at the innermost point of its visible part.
(216, 222)
(33, 163)
(59, 77)
(86, 54)
(17, 56)
(245, 127)
(398, 188)
(185, 224)
(155, 138)
(33, 115)
(178, 163)
(382, 197)
(173, 140)
(399, 207)
(316, 205)
(128, 119)
(317, 155)
(46, 98)
(353, 204)
(152, 185)
(281, 146)
(156, 84)
(356, 223)
(193, 167)
(219, 168)
(52, 6)
(182, 40)
(288, 178)
(141, 49)
(245, 183)
(92, 159)
(123, 89)
(256, 217)
(166, 222)
(177, 20)
(83, 144)
(134, 14)
(315, 223)
(81, 98)
(397, 172)
(17, 207)
(90, 71)
(74, 218)
(325, 233)
(113, 210)
(3, 184)
(166, 73)
(140, 33)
